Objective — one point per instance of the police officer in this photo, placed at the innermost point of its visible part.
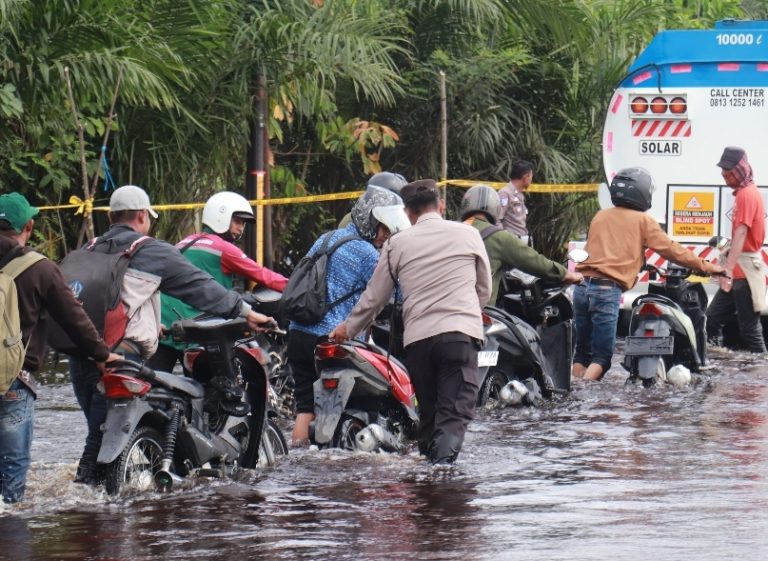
(445, 277)
(513, 214)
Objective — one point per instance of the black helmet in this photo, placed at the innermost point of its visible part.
(388, 180)
(632, 188)
(481, 198)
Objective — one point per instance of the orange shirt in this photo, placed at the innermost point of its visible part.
(748, 209)
(616, 245)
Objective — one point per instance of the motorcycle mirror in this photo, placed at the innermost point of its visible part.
(578, 255)
(718, 242)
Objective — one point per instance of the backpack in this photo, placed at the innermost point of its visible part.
(305, 298)
(12, 350)
(96, 279)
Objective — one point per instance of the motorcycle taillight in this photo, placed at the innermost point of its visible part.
(650, 309)
(119, 386)
(325, 351)
(330, 383)
(487, 321)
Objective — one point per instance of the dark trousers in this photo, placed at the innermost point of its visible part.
(444, 372)
(737, 302)
(165, 358)
(301, 356)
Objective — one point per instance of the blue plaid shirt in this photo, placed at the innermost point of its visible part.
(349, 269)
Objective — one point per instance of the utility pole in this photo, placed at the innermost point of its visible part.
(254, 177)
(443, 134)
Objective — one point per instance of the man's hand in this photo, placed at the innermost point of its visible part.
(339, 334)
(102, 366)
(260, 322)
(573, 278)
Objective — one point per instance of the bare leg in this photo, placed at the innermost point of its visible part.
(594, 372)
(578, 370)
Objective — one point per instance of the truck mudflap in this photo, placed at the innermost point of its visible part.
(330, 403)
(122, 419)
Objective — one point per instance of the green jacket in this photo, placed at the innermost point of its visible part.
(506, 251)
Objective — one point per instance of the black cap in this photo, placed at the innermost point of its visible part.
(732, 155)
(421, 191)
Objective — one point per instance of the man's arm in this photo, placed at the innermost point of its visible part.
(484, 284)
(373, 299)
(234, 261)
(515, 253)
(656, 239)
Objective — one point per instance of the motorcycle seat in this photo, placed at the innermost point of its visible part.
(180, 383)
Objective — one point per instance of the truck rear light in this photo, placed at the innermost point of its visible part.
(658, 105)
(330, 383)
(325, 351)
(650, 309)
(678, 106)
(119, 386)
(639, 105)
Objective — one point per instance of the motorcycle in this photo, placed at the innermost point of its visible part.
(364, 399)
(535, 315)
(667, 327)
(161, 427)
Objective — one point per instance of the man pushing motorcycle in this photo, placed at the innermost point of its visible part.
(430, 260)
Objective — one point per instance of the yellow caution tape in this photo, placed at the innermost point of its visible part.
(86, 207)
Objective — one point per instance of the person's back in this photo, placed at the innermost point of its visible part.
(41, 293)
(438, 279)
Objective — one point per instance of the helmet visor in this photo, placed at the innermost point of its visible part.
(393, 217)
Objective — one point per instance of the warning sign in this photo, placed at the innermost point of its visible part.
(693, 214)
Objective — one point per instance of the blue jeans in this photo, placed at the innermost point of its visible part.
(17, 416)
(596, 311)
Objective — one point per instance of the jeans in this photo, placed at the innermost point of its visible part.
(17, 415)
(85, 375)
(737, 302)
(596, 311)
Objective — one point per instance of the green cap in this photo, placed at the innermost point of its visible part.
(16, 211)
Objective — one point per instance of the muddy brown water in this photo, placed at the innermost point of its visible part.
(610, 472)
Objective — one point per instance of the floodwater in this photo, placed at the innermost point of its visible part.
(611, 472)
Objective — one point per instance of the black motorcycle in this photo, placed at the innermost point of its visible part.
(161, 427)
(535, 345)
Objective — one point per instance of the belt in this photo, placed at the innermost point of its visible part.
(598, 281)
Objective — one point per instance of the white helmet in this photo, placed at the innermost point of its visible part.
(393, 217)
(220, 209)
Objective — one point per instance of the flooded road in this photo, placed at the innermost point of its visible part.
(610, 472)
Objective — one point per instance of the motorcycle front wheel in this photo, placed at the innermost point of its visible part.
(136, 466)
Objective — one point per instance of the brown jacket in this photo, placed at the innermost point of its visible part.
(42, 292)
(444, 276)
(616, 245)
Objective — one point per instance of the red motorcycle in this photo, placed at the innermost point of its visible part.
(364, 399)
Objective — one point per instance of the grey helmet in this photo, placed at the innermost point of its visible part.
(392, 181)
(366, 216)
(481, 198)
(632, 188)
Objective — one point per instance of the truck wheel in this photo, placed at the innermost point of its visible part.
(136, 466)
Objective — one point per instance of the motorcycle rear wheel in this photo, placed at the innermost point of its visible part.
(138, 462)
(346, 433)
(488, 395)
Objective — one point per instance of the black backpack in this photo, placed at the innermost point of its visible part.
(305, 298)
(96, 279)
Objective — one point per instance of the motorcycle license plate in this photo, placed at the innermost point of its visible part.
(649, 345)
(487, 358)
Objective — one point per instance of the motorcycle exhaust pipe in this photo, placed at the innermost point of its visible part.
(374, 436)
(513, 393)
(165, 478)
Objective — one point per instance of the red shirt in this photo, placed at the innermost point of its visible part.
(748, 209)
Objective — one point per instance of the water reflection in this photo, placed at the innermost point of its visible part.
(609, 472)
